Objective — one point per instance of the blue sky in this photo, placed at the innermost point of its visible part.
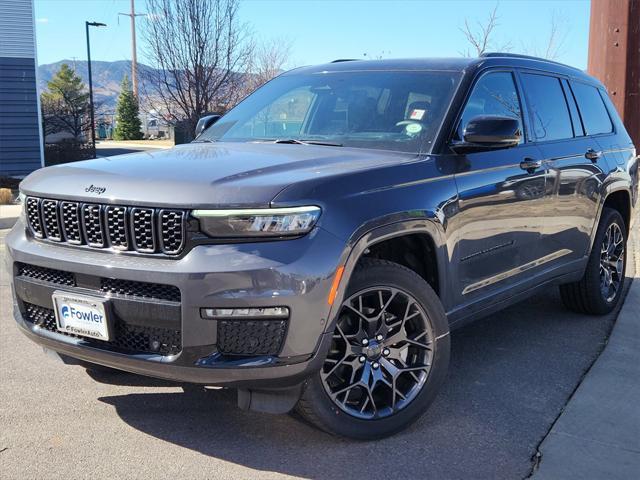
(321, 31)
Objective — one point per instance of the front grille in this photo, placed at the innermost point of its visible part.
(127, 338)
(140, 289)
(143, 230)
(46, 274)
(251, 337)
(154, 291)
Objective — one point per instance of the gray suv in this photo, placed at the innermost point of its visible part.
(314, 246)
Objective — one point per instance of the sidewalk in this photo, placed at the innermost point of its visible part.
(597, 436)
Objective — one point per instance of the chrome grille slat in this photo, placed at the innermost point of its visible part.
(71, 222)
(143, 229)
(117, 227)
(51, 220)
(171, 227)
(34, 219)
(93, 227)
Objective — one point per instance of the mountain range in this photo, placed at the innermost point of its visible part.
(106, 78)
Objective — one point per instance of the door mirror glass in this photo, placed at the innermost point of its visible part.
(205, 122)
(492, 131)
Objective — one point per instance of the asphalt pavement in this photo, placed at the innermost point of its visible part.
(510, 378)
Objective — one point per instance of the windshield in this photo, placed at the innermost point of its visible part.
(392, 110)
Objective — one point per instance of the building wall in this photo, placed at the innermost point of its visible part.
(20, 126)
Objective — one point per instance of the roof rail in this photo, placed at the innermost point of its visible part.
(527, 57)
(339, 60)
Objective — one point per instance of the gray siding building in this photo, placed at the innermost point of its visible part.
(20, 126)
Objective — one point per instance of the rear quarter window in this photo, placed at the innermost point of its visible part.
(594, 114)
(548, 107)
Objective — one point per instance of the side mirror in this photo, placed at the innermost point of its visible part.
(490, 131)
(205, 122)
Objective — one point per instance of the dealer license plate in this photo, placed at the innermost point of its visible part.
(81, 315)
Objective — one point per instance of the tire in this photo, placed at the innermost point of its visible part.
(421, 320)
(588, 294)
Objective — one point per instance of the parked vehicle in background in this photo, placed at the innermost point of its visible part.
(314, 246)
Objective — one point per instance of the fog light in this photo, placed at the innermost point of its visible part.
(241, 313)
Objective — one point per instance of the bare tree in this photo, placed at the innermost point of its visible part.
(480, 35)
(555, 40)
(267, 60)
(198, 48)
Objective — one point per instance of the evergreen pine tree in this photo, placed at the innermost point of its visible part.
(65, 103)
(127, 119)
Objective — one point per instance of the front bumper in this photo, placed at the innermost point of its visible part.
(293, 273)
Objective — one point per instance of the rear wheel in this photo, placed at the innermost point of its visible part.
(388, 358)
(599, 290)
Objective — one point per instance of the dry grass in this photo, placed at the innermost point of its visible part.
(6, 196)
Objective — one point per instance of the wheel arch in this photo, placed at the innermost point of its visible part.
(419, 232)
(618, 198)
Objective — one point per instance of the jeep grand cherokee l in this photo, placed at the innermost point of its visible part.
(314, 246)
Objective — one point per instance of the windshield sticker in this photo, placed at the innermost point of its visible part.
(413, 128)
(417, 114)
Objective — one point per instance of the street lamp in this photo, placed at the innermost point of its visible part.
(93, 126)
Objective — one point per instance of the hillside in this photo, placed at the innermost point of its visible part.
(106, 78)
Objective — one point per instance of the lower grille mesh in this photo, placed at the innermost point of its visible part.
(249, 337)
(140, 289)
(47, 274)
(127, 338)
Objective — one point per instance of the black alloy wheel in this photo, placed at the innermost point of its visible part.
(389, 355)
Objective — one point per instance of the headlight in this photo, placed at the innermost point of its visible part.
(260, 222)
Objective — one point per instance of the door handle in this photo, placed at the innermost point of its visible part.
(530, 164)
(593, 155)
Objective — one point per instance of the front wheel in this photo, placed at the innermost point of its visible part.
(388, 357)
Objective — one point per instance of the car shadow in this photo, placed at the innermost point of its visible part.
(509, 378)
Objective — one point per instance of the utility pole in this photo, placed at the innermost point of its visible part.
(134, 53)
(93, 122)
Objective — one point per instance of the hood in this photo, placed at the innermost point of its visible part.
(202, 175)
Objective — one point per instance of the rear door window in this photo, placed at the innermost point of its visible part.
(594, 113)
(548, 107)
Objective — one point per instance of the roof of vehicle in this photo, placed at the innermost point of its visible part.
(450, 64)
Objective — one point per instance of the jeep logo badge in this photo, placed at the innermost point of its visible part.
(93, 189)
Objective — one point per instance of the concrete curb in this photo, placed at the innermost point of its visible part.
(598, 433)
(9, 215)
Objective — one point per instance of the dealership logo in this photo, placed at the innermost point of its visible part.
(68, 313)
(94, 189)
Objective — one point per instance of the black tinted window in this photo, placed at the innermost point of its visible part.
(494, 94)
(594, 113)
(549, 112)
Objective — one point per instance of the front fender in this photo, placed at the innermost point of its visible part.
(364, 238)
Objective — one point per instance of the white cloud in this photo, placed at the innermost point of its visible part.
(42, 20)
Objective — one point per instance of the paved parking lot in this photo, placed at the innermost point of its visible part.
(511, 374)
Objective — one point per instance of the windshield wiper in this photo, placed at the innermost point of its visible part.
(203, 141)
(295, 141)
